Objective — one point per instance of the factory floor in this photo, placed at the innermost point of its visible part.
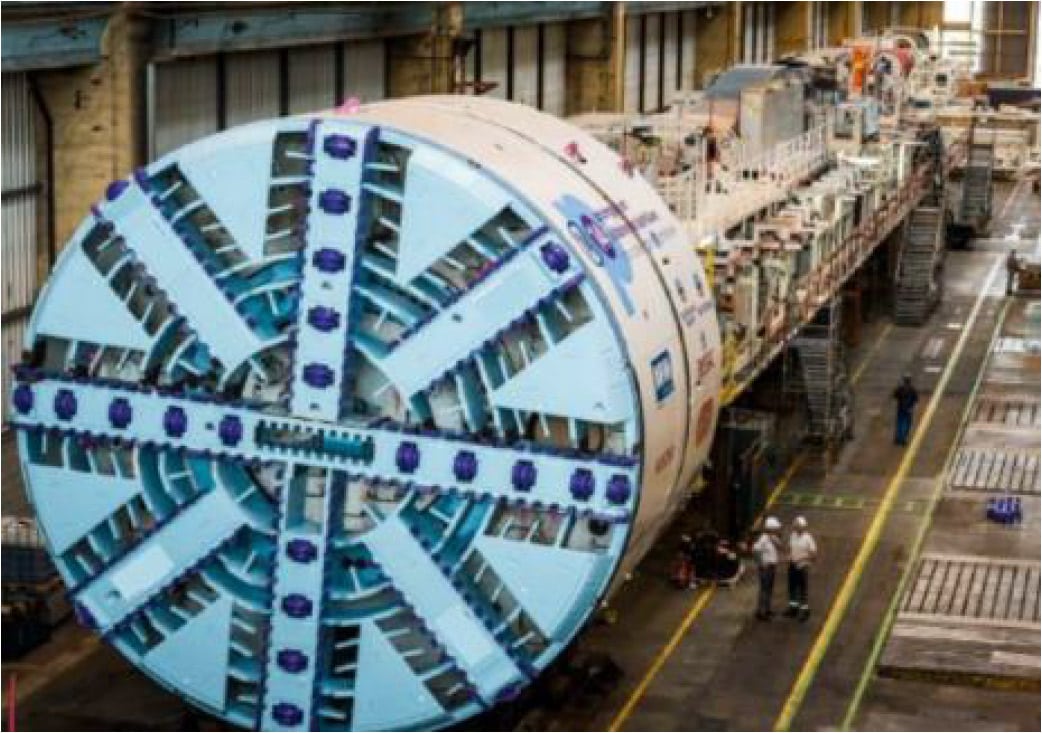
(697, 659)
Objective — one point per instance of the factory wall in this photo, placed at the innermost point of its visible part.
(195, 97)
(659, 59)
(758, 33)
(525, 63)
(24, 215)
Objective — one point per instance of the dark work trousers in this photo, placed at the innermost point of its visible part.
(903, 426)
(798, 587)
(763, 606)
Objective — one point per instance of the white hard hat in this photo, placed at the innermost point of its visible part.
(771, 524)
(800, 523)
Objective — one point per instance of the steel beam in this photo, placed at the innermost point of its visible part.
(52, 43)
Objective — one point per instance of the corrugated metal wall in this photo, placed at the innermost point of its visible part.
(186, 92)
(185, 106)
(312, 78)
(652, 57)
(251, 87)
(757, 33)
(632, 79)
(365, 71)
(493, 48)
(821, 24)
(660, 59)
(748, 33)
(525, 62)
(671, 55)
(526, 65)
(762, 45)
(687, 49)
(23, 192)
(555, 52)
(769, 32)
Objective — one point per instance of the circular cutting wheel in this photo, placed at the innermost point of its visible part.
(332, 424)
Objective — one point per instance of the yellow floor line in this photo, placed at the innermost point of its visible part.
(703, 600)
(913, 554)
(695, 611)
(700, 603)
(850, 582)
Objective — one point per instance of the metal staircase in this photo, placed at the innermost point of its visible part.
(917, 287)
(822, 376)
(975, 207)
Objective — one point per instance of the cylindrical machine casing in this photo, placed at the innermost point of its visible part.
(349, 421)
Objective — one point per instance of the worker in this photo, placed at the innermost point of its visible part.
(803, 551)
(1012, 268)
(906, 397)
(766, 551)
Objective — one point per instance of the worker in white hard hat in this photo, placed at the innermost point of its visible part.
(766, 549)
(803, 551)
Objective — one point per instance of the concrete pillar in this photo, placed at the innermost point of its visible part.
(423, 63)
(718, 34)
(99, 129)
(793, 27)
(595, 63)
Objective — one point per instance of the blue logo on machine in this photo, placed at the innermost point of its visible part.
(662, 374)
(586, 226)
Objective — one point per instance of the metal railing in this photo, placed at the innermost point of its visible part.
(711, 196)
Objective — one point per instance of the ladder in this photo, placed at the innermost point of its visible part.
(917, 288)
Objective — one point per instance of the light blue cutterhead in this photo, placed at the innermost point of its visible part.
(314, 416)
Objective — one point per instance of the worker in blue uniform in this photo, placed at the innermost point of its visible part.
(906, 397)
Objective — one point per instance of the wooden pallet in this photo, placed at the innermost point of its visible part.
(995, 471)
(974, 590)
(1008, 412)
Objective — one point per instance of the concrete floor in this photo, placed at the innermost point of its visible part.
(692, 661)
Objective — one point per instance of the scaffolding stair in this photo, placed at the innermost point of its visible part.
(824, 377)
(917, 290)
